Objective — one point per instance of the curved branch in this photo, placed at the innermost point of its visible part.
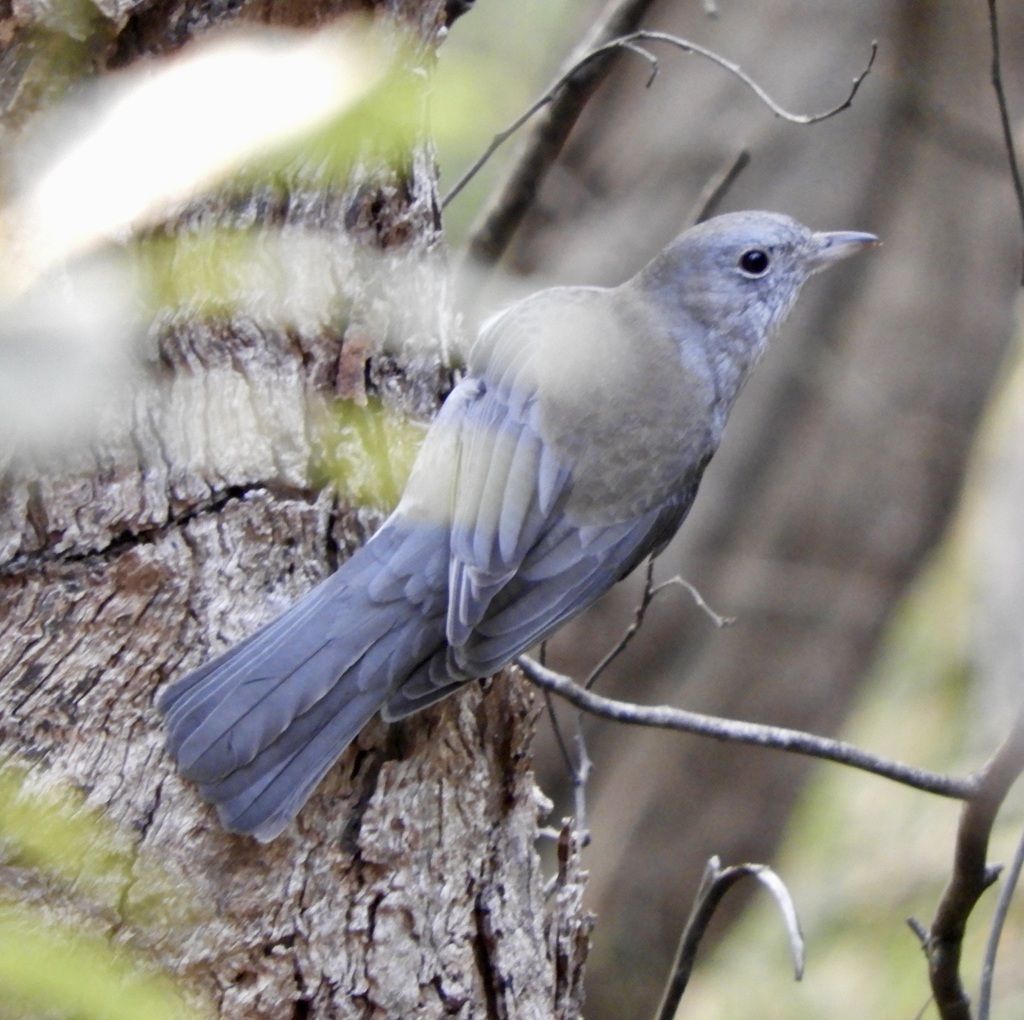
(777, 737)
(734, 69)
(572, 90)
(716, 882)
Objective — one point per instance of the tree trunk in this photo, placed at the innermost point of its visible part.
(410, 885)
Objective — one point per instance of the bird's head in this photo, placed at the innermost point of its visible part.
(731, 281)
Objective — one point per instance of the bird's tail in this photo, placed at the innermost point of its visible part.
(258, 727)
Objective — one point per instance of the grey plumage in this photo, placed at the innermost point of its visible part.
(572, 449)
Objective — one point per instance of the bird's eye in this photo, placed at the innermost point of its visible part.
(755, 262)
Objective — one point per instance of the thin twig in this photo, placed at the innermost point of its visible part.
(572, 89)
(638, 618)
(569, 77)
(734, 69)
(796, 741)
(630, 43)
(556, 727)
(988, 968)
(647, 596)
(578, 767)
(649, 57)
(919, 1015)
(494, 229)
(581, 776)
(920, 930)
(1004, 115)
(971, 874)
(715, 883)
(580, 770)
(716, 618)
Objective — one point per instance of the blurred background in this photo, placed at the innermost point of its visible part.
(863, 519)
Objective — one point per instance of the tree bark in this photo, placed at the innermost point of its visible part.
(410, 885)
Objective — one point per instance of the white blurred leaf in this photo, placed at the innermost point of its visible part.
(145, 140)
(63, 351)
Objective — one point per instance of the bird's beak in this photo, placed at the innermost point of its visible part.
(827, 248)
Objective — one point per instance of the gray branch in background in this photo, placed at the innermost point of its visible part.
(1004, 113)
(972, 875)
(717, 881)
(512, 199)
(759, 735)
(563, 103)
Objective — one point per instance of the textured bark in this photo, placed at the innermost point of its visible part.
(410, 886)
(845, 455)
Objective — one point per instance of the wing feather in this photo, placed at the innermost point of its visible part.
(521, 561)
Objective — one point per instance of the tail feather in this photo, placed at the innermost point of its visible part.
(430, 682)
(262, 797)
(259, 726)
(229, 713)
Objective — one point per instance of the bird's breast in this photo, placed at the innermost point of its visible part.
(619, 407)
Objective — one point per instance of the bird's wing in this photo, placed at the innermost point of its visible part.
(566, 570)
(508, 485)
(520, 564)
(564, 573)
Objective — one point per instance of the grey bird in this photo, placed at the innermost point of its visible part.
(569, 452)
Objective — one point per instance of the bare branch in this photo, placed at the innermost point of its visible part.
(580, 767)
(631, 631)
(971, 874)
(796, 741)
(563, 747)
(503, 136)
(998, 921)
(715, 883)
(581, 776)
(734, 69)
(647, 596)
(1004, 114)
(496, 225)
(679, 581)
(566, 99)
(787, 908)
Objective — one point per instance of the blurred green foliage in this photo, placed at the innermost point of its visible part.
(456, 104)
(279, 280)
(50, 965)
(53, 970)
(366, 452)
